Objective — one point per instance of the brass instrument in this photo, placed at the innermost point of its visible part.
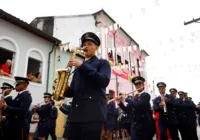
(2, 101)
(63, 76)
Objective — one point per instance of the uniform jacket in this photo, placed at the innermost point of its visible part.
(186, 111)
(128, 111)
(53, 117)
(170, 117)
(8, 100)
(65, 109)
(141, 119)
(112, 114)
(45, 115)
(88, 89)
(19, 108)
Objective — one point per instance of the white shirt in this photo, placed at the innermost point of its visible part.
(86, 59)
(139, 93)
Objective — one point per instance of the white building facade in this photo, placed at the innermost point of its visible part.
(29, 49)
(130, 59)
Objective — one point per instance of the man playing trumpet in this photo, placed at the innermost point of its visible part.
(141, 125)
(165, 104)
(44, 112)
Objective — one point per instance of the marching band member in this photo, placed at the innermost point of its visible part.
(125, 120)
(165, 105)
(17, 112)
(112, 114)
(173, 92)
(187, 117)
(6, 90)
(141, 126)
(45, 116)
(53, 117)
(88, 89)
(66, 109)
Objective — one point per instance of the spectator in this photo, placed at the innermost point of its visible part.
(34, 124)
(30, 76)
(5, 68)
(38, 78)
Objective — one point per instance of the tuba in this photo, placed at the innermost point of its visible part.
(63, 76)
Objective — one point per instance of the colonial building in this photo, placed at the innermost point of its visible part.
(116, 43)
(29, 49)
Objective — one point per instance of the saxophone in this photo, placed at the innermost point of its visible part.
(63, 76)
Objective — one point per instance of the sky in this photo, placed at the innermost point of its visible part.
(157, 25)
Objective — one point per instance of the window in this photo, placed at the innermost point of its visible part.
(138, 67)
(5, 55)
(34, 70)
(35, 65)
(119, 60)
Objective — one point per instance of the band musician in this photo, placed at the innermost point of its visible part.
(165, 104)
(44, 112)
(142, 124)
(5, 95)
(88, 89)
(17, 112)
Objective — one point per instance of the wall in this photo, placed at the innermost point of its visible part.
(67, 29)
(25, 42)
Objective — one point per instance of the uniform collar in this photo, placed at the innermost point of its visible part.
(164, 94)
(139, 93)
(22, 91)
(7, 96)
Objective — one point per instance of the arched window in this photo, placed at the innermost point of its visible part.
(35, 64)
(9, 50)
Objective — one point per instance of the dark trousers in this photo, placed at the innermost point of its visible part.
(4, 132)
(52, 133)
(85, 131)
(135, 136)
(1, 134)
(188, 131)
(173, 130)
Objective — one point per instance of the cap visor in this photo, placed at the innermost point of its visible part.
(90, 39)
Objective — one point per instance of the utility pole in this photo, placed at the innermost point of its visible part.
(192, 21)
